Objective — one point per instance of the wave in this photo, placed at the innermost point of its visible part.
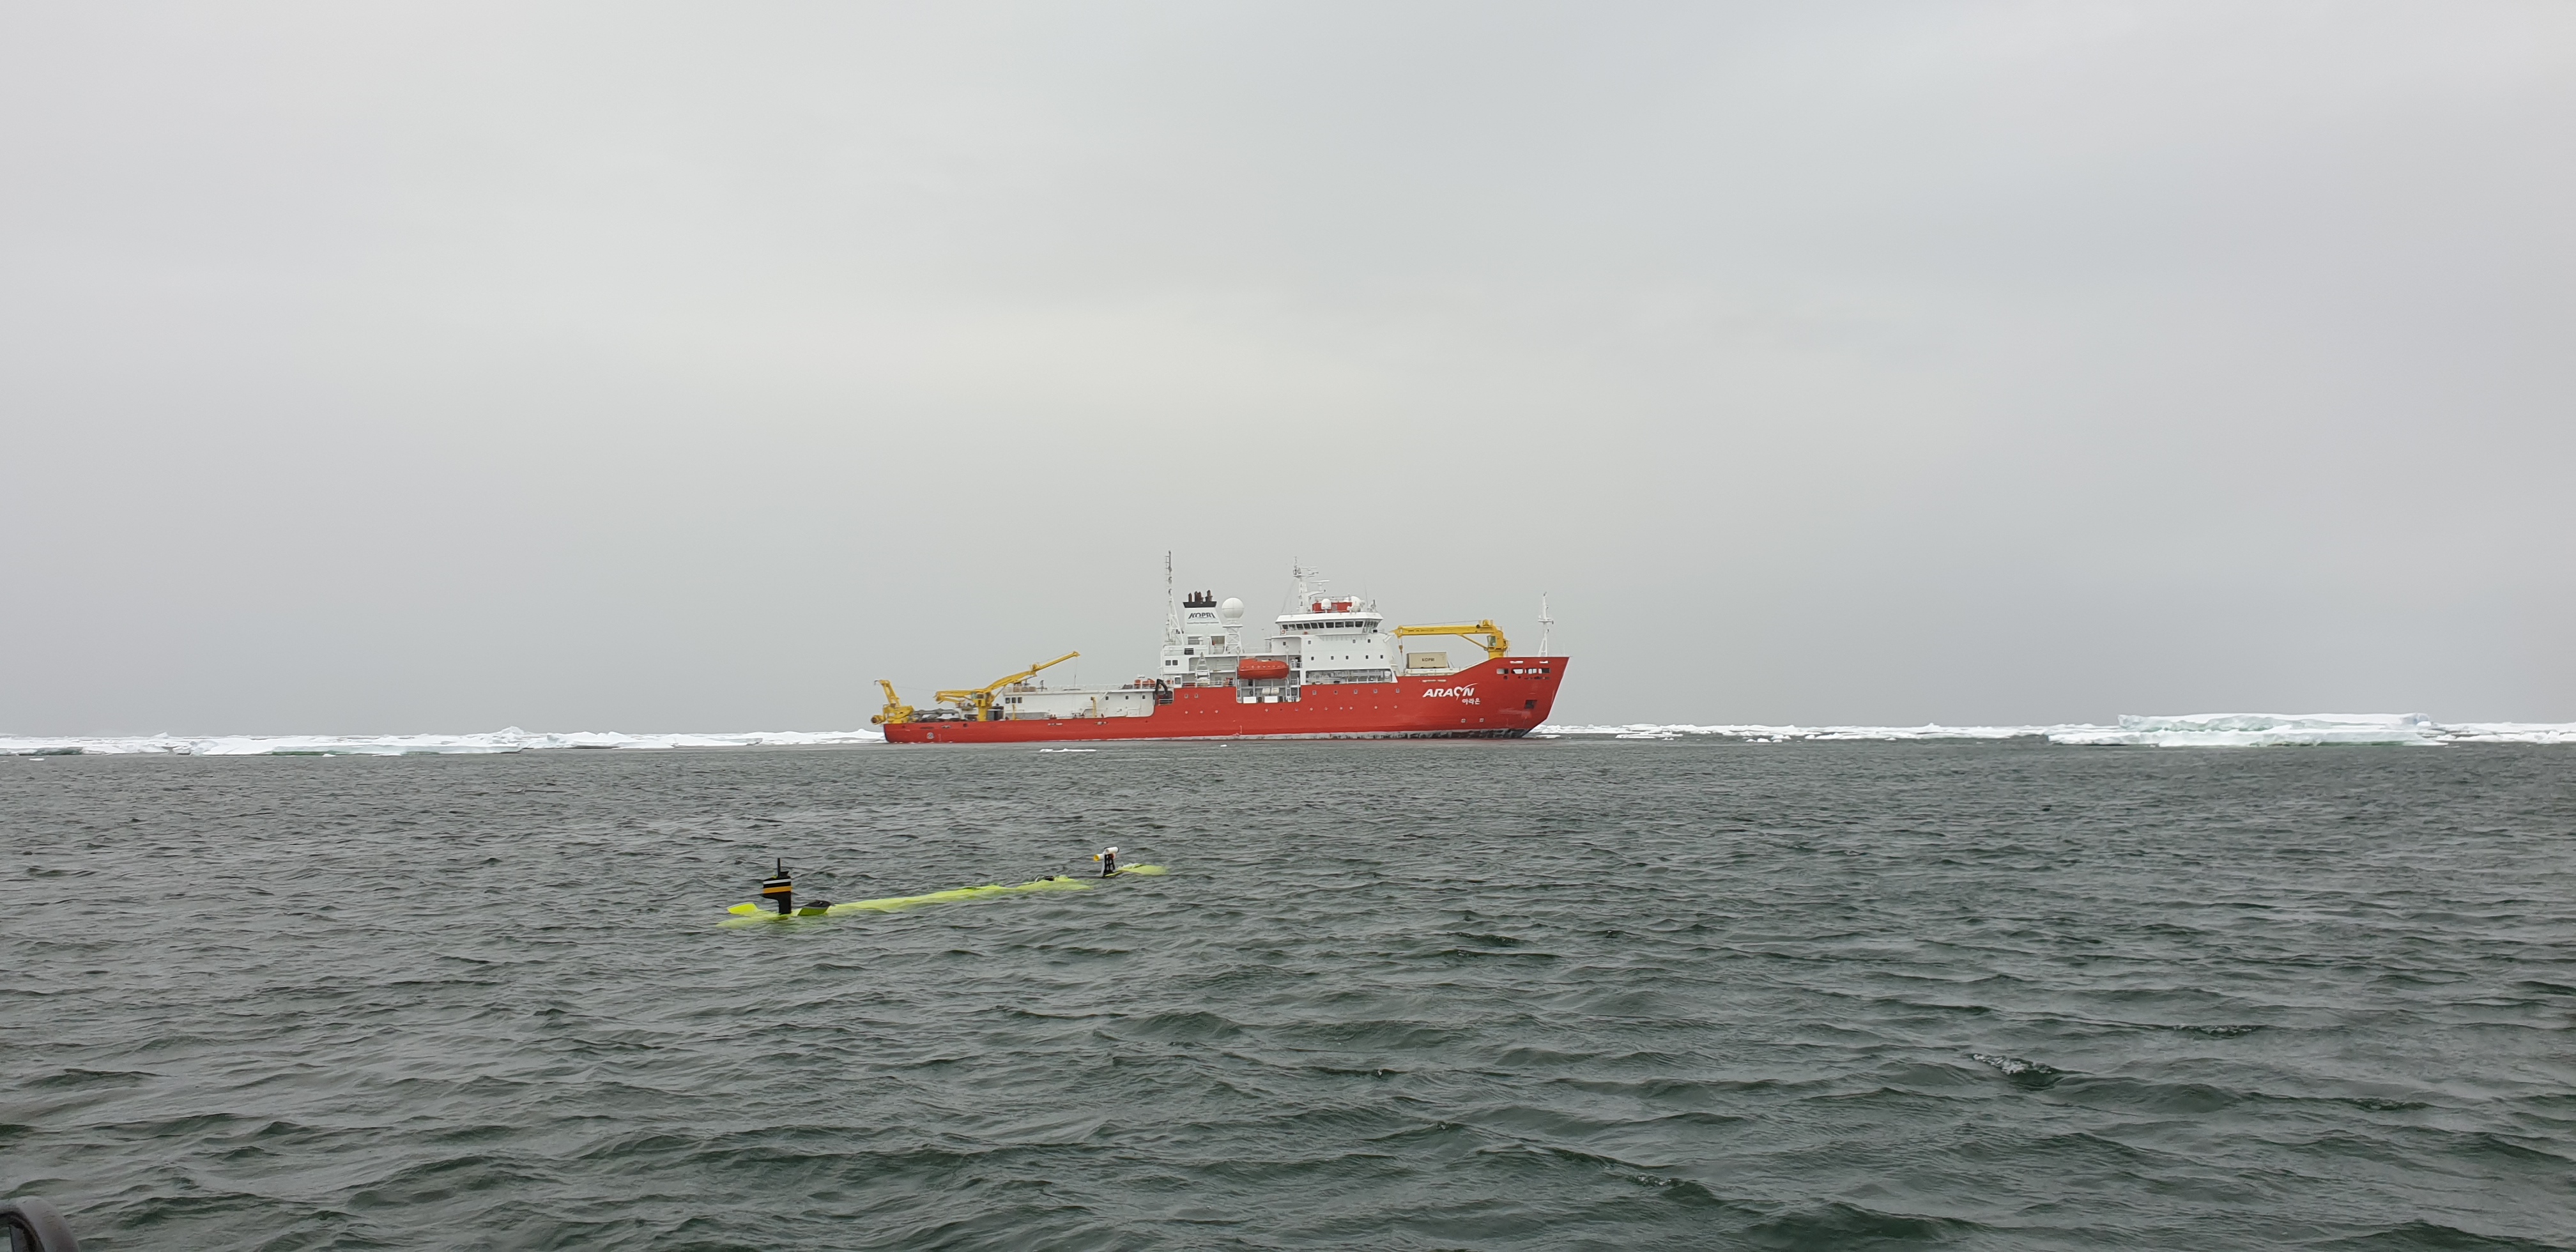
(511, 739)
(2190, 730)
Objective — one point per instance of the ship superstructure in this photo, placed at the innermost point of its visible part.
(1328, 668)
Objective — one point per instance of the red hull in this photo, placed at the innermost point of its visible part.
(1502, 699)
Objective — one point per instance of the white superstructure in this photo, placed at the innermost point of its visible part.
(1335, 639)
(1324, 638)
(1038, 700)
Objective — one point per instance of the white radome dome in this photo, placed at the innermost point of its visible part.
(1231, 610)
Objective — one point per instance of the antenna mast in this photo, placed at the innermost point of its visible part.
(1309, 585)
(1171, 605)
(1544, 623)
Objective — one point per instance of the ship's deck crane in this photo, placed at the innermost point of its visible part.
(895, 709)
(978, 702)
(1495, 645)
(975, 702)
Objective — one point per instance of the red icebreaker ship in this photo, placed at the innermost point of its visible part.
(1328, 670)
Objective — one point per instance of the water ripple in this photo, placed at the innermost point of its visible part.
(1570, 994)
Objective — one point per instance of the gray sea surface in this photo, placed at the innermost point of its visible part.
(1536, 994)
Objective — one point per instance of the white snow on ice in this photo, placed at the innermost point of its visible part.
(2190, 730)
(510, 740)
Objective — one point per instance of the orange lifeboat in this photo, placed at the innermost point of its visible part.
(1261, 667)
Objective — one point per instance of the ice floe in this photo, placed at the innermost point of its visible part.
(2190, 730)
(2259, 730)
(1648, 730)
(512, 739)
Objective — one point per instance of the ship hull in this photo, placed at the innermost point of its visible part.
(1500, 699)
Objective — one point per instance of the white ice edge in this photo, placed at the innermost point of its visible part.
(512, 739)
(2190, 730)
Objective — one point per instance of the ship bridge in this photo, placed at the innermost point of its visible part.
(1334, 639)
(1323, 638)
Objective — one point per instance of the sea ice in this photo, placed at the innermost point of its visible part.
(2190, 730)
(2260, 730)
(511, 739)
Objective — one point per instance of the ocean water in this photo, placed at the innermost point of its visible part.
(2190, 730)
(1581, 993)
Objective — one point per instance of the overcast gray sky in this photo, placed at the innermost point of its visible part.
(380, 368)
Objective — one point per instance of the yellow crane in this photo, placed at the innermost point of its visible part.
(1495, 645)
(895, 710)
(978, 701)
